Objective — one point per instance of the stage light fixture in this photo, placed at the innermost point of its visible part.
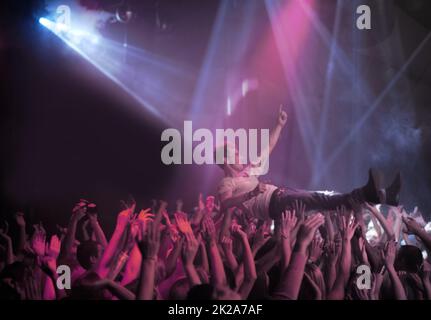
(76, 36)
(123, 13)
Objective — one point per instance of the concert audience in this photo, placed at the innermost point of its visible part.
(367, 253)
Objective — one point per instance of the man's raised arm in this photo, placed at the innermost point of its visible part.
(276, 131)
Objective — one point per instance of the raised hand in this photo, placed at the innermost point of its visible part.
(79, 210)
(250, 229)
(390, 253)
(425, 272)
(173, 232)
(261, 236)
(412, 226)
(332, 252)
(347, 227)
(227, 244)
(237, 231)
(150, 244)
(4, 232)
(208, 230)
(52, 248)
(288, 222)
(19, 219)
(92, 210)
(183, 224)
(307, 231)
(316, 250)
(299, 209)
(126, 216)
(145, 215)
(37, 243)
(190, 248)
(201, 203)
(130, 202)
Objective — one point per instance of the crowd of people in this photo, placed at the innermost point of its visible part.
(362, 251)
(251, 241)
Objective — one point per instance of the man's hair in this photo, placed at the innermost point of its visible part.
(85, 251)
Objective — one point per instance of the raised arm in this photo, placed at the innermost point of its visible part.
(414, 228)
(191, 246)
(383, 222)
(97, 229)
(291, 279)
(199, 214)
(426, 279)
(333, 252)
(67, 245)
(131, 251)
(276, 131)
(391, 250)
(123, 219)
(347, 228)
(227, 222)
(231, 261)
(218, 275)
(149, 248)
(10, 258)
(250, 275)
(49, 266)
(288, 223)
(22, 236)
